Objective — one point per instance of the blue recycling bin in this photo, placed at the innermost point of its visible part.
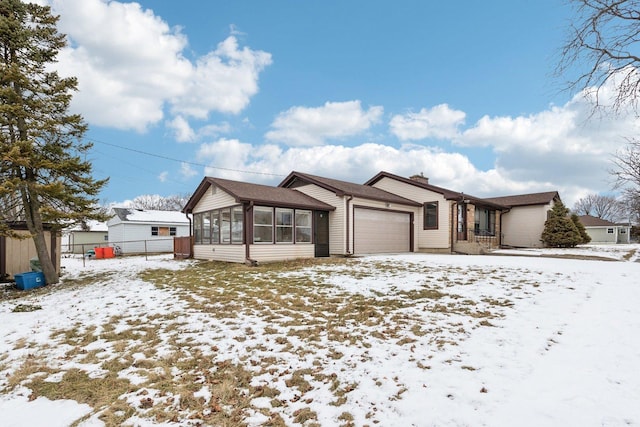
(29, 280)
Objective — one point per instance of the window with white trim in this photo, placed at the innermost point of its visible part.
(215, 227)
(284, 225)
(303, 226)
(262, 224)
(225, 226)
(197, 228)
(206, 228)
(236, 224)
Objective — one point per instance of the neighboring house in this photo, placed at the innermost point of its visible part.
(366, 219)
(447, 221)
(603, 231)
(238, 222)
(523, 221)
(143, 231)
(16, 254)
(78, 239)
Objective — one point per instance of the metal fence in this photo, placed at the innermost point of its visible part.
(125, 247)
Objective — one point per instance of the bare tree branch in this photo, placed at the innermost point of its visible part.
(603, 40)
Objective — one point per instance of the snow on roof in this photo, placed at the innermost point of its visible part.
(147, 216)
(93, 226)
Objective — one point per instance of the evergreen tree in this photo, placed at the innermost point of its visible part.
(44, 175)
(559, 230)
(584, 237)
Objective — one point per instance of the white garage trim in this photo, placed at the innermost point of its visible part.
(381, 231)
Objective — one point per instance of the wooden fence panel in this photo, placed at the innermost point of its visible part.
(182, 247)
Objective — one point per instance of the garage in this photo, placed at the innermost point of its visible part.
(380, 231)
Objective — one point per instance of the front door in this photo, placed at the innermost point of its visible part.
(321, 233)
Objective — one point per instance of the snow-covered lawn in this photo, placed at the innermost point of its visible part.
(412, 339)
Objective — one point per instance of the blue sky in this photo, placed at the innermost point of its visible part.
(463, 92)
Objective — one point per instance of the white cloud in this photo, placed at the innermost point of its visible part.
(567, 146)
(214, 130)
(163, 176)
(313, 126)
(233, 159)
(224, 80)
(182, 130)
(187, 171)
(439, 122)
(130, 65)
(226, 156)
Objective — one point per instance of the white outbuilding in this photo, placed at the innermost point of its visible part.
(146, 231)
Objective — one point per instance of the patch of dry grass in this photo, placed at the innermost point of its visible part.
(300, 315)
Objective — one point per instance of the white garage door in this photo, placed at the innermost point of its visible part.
(381, 231)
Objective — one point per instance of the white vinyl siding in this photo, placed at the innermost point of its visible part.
(265, 253)
(210, 201)
(260, 253)
(522, 226)
(228, 253)
(337, 218)
(378, 231)
(136, 237)
(600, 234)
(439, 238)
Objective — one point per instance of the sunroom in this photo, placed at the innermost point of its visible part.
(238, 222)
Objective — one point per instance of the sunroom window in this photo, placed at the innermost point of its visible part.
(284, 225)
(262, 224)
(303, 226)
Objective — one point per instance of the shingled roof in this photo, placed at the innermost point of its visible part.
(258, 194)
(446, 193)
(526, 199)
(592, 221)
(147, 216)
(344, 188)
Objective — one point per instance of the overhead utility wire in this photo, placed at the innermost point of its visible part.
(181, 161)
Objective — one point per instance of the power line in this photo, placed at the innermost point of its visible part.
(181, 161)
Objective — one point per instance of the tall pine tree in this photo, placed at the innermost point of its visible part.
(559, 230)
(584, 236)
(45, 177)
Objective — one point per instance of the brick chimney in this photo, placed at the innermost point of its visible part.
(420, 178)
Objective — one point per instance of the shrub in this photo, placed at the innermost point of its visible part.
(559, 230)
(585, 238)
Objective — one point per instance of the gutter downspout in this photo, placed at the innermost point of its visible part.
(190, 236)
(501, 231)
(348, 231)
(453, 226)
(245, 223)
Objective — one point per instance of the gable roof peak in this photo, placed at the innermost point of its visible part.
(345, 188)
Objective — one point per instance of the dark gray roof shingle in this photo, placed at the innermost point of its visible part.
(342, 188)
(592, 221)
(258, 194)
(526, 199)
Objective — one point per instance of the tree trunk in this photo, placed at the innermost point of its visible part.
(36, 228)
